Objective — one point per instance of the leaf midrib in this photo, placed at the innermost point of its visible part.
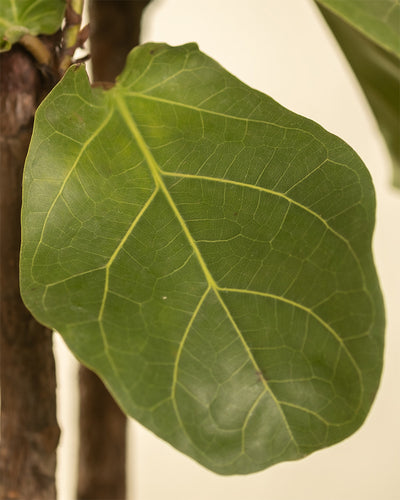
(157, 176)
(14, 10)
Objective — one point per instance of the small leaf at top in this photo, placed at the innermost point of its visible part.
(369, 34)
(33, 17)
(208, 253)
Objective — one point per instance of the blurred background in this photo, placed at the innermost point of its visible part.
(285, 50)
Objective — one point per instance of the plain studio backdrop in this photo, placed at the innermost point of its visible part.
(283, 49)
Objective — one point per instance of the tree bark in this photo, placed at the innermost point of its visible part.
(114, 31)
(29, 430)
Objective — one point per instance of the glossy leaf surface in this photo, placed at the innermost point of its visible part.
(369, 34)
(208, 253)
(33, 17)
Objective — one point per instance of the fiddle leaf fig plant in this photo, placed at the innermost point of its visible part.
(207, 252)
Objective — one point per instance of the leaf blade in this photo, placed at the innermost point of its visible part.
(371, 43)
(377, 20)
(185, 258)
(21, 17)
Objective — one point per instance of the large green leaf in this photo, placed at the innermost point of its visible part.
(208, 253)
(21, 17)
(369, 34)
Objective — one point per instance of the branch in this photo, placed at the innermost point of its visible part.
(72, 36)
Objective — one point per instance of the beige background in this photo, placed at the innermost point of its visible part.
(283, 49)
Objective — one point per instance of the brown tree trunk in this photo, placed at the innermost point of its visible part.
(102, 447)
(114, 31)
(29, 430)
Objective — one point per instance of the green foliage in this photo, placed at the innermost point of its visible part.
(369, 34)
(33, 17)
(208, 253)
(378, 20)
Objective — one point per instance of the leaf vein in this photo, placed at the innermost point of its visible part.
(68, 176)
